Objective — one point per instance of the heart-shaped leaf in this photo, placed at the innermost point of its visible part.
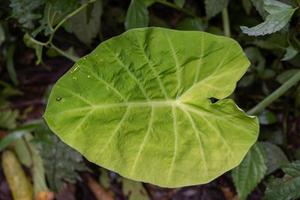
(140, 105)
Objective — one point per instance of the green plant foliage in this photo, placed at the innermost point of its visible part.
(192, 23)
(290, 53)
(8, 118)
(38, 48)
(214, 7)
(286, 188)
(54, 12)
(267, 117)
(250, 172)
(279, 15)
(259, 6)
(86, 24)
(137, 15)
(139, 105)
(275, 157)
(286, 75)
(134, 190)
(61, 163)
(2, 34)
(10, 66)
(4, 142)
(26, 11)
(179, 3)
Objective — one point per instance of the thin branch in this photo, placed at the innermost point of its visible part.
(63, 53)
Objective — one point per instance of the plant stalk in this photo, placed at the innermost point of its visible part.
(68, 17)
(226, 23)
(275, 95)
(63, 53)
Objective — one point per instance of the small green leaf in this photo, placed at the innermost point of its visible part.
(10, 66)
(192, 23)
(2, 34)
(286, 188)
(250, 172)
(247, 6)
(86, 24)
(290, 53)
(214, 7)
(137, 15)
(8, 119)
(275, 157)
(292, 169)
(179, 3)
(267, 117)
(139, 105)
(37, 47)
(104, 178)
(134, 190)
(279, 15)
(259, 6)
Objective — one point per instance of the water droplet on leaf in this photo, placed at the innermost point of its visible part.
(58, 98)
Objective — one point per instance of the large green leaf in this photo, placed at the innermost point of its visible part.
(140, 105)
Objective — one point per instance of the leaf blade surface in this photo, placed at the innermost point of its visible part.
(139, 105)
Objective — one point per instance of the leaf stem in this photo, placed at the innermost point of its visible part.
(275, 95)
(63, 53)
(68, 17)
(226, 23)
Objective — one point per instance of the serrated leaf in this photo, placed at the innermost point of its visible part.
(26, 11)
(61, 163)
(279, 15)
(250, 172)
(275, 156)
(292, 169)
(137, 15)
(280, 189)
(214, 7)
(286, 188)
(86, 24)
(139, 105)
